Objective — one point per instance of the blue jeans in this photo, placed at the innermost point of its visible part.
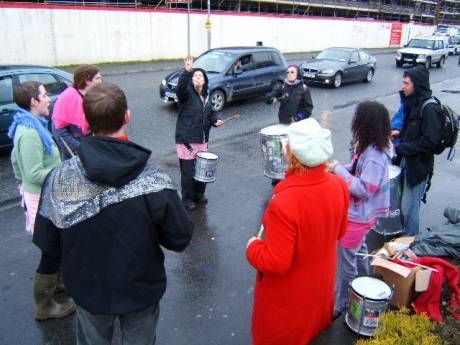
(410, 207)
(348, 267)
(137, 328)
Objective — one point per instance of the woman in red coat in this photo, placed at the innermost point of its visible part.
(294, 293)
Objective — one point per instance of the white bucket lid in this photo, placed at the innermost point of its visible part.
(394, 171)
(371, 288)
(207, 155)
(275, 130)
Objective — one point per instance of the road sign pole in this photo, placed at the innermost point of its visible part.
(188, 28)
(209, 20)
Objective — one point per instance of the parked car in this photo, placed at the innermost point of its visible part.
(54, 80)
(424, 50)
(260, 69)
(454, 45)
(335, 66)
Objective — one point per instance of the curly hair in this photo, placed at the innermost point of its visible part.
(371, 126)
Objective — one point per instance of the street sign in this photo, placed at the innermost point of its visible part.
(207, 24)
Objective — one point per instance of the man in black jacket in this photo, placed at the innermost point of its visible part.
(112, 210)
(420, 136)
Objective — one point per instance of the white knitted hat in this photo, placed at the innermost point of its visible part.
(310, 143)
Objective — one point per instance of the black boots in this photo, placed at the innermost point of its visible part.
(45, 305)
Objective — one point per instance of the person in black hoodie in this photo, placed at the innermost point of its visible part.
(194, 121)
(294, 97)
(420, 136)
(112, 210)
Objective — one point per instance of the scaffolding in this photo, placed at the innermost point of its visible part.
(421, 11)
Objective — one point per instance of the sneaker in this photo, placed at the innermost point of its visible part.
(189, 205)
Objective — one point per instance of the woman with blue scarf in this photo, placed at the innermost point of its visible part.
(34, 155)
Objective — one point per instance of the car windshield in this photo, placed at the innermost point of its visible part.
(214, 62)
(334, 54)
(420, 43)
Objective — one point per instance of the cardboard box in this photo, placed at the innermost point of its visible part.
(402, 279)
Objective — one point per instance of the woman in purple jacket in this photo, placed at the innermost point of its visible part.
(368, 183)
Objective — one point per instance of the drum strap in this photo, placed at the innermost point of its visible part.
(189, 147)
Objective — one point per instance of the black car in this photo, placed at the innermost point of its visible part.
(54, 80)
(335, 66)
(233, 73)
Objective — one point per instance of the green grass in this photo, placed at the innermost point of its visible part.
(132, 62)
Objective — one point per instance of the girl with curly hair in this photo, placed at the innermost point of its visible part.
(368, 184)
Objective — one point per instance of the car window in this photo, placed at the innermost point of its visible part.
(263, 59)
(334, 54)
(247, 62)
(63, 81)
(421, 43)
(6, 90)
(363, 56)
(354, 57)
(52, 86)
(276, 59)
(214, 61)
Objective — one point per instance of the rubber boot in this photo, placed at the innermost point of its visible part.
(45, 305)
(60, 287)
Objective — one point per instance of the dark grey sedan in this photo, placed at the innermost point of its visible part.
(335, 66)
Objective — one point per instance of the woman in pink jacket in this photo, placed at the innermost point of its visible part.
(69, 123)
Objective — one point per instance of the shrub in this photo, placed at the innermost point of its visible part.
(400, 328)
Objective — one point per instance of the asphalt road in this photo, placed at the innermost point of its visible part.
(210, 285)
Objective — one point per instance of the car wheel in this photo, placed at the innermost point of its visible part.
(337, 80)
(441, 62)
(399, 64)
(217, 100)
(428, 63)
(369, 76)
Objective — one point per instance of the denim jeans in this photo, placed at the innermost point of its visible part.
(410, 207)
(137, 328)
(348, 267)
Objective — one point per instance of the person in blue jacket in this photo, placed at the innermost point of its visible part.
(397, 122)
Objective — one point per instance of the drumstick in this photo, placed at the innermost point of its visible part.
(232, 117)
(67, 147)
(261, 231)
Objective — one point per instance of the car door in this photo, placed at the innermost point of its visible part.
(7, 108)
(353, 67)
(242, 83)
(52, 85)
(265, 71)
(365, 60)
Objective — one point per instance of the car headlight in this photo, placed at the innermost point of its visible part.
(398, 54)
(163, 82)
(327, 71)
(422, 56)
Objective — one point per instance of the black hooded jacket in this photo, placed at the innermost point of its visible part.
(195, 115)
(294, 99)
(421, 133)
(115, 211)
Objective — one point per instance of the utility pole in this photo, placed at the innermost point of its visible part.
(209, 21)
(188, 28)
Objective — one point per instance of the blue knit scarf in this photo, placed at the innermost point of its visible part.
(40, 124)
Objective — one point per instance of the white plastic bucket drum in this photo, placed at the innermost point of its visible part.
(393, 224)
(205, 167)
(368, 300)
(274, 141)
